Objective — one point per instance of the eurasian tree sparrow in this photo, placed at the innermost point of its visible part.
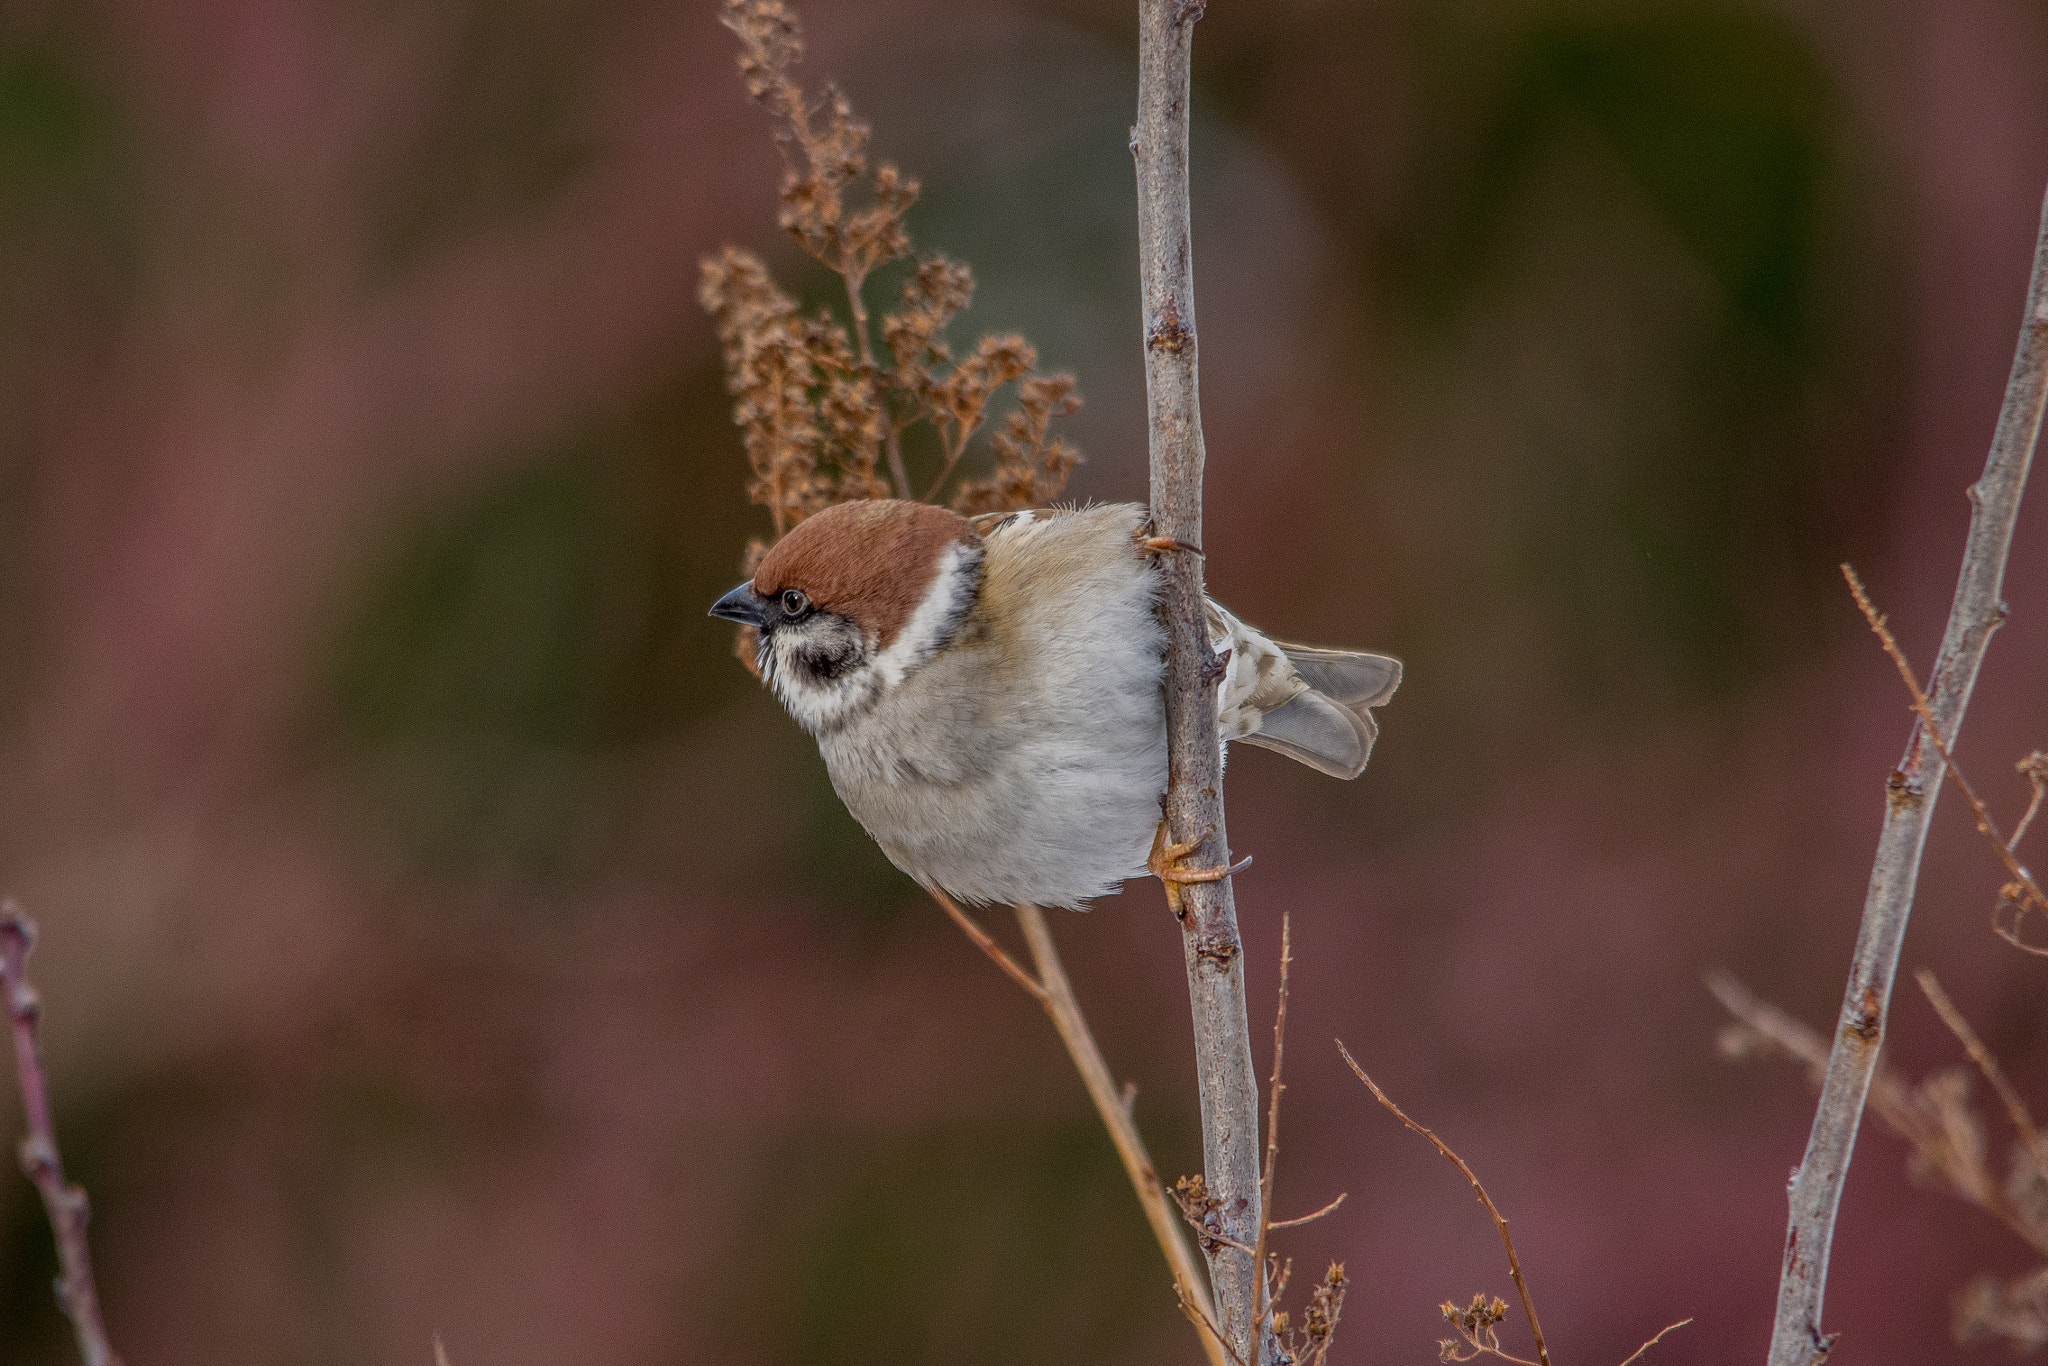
(988, 694)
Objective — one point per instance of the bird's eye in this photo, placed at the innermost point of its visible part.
(794, 603)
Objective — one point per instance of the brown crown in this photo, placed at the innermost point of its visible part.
(871, 561)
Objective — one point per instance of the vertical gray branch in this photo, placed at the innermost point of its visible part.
(1797, 1339)
(1194, 798)
(63, 1202)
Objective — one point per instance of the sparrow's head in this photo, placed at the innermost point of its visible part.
(855, 598)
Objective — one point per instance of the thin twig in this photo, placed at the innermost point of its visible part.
(1637, 1354)
(1796, 1336)
(1211, 946)
(1309, 1218)
(984, 942)
(951, 461)
(1261, 1305)
(892, 441)
(1514, 1262)
(2035, 767)
(1788, 1035)
(65, 1204)
(2023, 892)
(1057, 996)
(1987, 1063)
(1924, 709)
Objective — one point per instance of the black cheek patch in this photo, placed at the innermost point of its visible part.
(823, 663)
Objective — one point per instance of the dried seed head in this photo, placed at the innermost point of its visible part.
(818, 409)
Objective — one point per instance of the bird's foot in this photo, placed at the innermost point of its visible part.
(1164, 863)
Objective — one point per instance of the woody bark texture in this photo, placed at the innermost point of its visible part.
(1194, 796)
(1797, 1338)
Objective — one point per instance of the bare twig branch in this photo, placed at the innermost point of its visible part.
(2015, 1107)
(1194, 801)
(1769, 1025)
(1262, 1302)
(1796, 1338)
(1308, 1218)
(1057, 996)
(1637, 1354)
(64, 1203)
(984, 942)
(2035, 768)
(1514, 1262)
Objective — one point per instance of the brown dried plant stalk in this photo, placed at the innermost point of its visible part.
(1948, 1142)
(823, 414)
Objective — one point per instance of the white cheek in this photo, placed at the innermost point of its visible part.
(933, 623)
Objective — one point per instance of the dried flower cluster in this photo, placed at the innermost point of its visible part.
(824, 415)
(1951, 1148)
(1309, 1345)
(1477, 1326)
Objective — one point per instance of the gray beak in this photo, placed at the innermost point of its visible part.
(741, 605)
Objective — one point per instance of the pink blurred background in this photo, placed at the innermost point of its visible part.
(443, 935)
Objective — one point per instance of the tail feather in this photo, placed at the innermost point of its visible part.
(1352, 677)
(1320, 732)
(1308, 703)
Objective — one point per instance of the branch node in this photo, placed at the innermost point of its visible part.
(1168, 332)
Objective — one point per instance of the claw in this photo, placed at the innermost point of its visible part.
(1164, 863)
(1156, 545)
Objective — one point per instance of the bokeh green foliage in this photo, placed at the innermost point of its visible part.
(996, 1243)
(1679, 522)
(509, 134)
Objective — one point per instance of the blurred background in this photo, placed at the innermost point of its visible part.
(444, 935)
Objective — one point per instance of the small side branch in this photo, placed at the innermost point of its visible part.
(987, 944)
(2024, 891)
(1637, 1354)
(1796, 1337)
(1262, 1305)
(65, 1204)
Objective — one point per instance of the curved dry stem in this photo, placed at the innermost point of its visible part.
(1514, 1262)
